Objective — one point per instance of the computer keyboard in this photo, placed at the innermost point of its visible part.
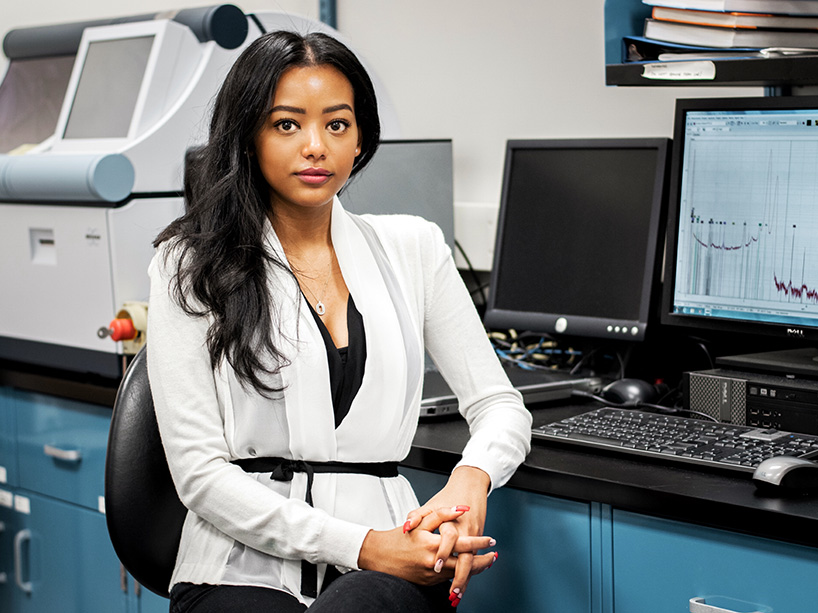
(678, 439)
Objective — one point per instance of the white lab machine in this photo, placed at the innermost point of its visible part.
(79, 208)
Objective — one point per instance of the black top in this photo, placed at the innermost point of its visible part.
(346, 364)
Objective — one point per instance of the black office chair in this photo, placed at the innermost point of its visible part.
(143, 511)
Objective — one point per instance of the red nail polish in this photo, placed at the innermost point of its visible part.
(407, 526)
(462, 508)
(496, 555)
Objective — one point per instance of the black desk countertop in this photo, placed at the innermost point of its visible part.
(707, 497)
(712, 498)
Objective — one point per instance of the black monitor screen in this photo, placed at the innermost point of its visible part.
(407, 176)
(743, 251)
(108, 87)
(579, 236)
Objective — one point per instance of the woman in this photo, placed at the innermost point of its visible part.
(286, 360)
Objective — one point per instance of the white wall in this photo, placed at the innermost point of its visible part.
(477, 71)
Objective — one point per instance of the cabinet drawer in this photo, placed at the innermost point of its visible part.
(659, 565)
(61, 447)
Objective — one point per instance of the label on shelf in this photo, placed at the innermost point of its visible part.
(681, 71)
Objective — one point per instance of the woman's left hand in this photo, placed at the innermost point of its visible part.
(467, 487)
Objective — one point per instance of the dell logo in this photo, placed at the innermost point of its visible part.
(795, 332)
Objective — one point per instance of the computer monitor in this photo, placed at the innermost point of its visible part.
(579, 237)
(742, 251)
(407, 176)
(109, 83)
(30, 98)
(126, 77)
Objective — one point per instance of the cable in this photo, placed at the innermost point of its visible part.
(621, 365)
(532, 350)
(480, 285)
(702, 343)
(706, 351)
(582, 360)
(524, 364)
(482, 289)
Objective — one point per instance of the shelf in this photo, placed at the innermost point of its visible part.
(773, 72)
(627, 17)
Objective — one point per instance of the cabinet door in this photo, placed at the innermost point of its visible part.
(8, 438)
(8, 528)
(660, 565)
(544, 545)
(151, 603)
(545, 556)
(65, 560)
(61, 448)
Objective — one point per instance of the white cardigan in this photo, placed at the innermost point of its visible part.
(245, 529)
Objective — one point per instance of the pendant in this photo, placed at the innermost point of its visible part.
(319, 308)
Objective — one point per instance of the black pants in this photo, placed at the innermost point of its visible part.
(363, 591)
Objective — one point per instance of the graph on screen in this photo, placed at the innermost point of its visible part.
(748, 235)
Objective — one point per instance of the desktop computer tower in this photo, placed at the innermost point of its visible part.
(753, 399)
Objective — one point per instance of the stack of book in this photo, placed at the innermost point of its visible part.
(726, 28)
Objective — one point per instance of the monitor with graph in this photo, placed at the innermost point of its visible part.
(742, 253)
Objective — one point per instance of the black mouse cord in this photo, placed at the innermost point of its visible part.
(642, 405)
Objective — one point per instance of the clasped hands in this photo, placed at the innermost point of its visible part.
(437, 543)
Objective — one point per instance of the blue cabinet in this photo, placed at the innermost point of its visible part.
(54, 545)
(660, 565)
(555, 554)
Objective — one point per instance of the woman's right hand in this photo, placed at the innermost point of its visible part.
(413, 555)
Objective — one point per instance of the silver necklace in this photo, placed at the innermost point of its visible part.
(320, 308)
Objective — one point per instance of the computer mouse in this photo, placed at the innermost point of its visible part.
(630, 391)
(787, 474)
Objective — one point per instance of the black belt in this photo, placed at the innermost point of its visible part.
(282, 469)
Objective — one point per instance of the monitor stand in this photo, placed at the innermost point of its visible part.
(801, 362)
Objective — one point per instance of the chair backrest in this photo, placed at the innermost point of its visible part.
(143, 511)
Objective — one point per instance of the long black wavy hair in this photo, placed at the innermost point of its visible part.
(223, 264)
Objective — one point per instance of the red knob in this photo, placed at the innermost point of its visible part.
(122, 329)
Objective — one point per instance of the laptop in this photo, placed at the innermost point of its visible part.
(535, 386)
